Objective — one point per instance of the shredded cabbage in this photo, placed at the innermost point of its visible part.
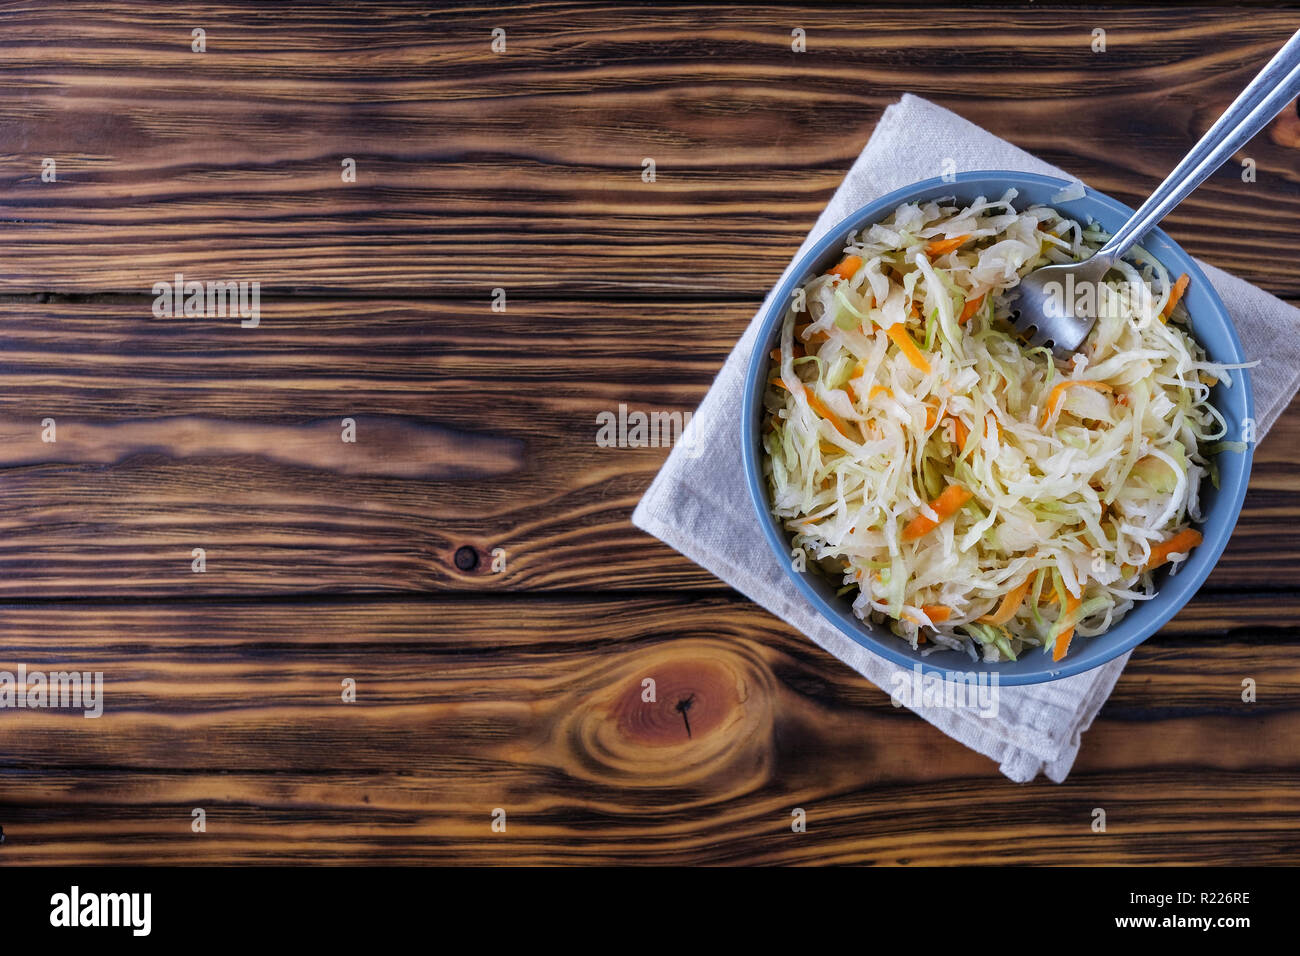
(1071, 485)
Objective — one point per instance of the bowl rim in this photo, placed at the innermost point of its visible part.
(1177, 590)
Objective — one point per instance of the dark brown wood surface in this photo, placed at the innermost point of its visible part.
(476, 430)
(533, 705)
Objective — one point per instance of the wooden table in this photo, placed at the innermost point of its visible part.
(328, 561)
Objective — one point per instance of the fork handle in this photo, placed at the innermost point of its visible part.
(1266, 96)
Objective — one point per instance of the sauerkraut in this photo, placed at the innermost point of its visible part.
(967, 490)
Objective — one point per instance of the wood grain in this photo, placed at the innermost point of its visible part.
(373, 560)
(534, 705)
(474, 429)
(523, 169)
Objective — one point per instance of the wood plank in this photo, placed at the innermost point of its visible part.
(227, 164)
(475, 430)
(534, 705)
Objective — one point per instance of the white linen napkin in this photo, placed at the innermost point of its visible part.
(698, 505)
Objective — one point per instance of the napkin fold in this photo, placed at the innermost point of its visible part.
(698, 505)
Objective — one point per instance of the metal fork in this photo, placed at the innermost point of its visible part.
(1041, 301)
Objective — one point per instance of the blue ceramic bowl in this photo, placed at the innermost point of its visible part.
(1209, 323)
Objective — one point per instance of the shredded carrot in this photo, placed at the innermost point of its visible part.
(1057, 393)
(1175, 294)
(916, 310)
(858, 370)
(938, 247)
(945, 506)
(970, 308)
(931, 416)
(937, 613)
(879, 390)
(819, 336)
(1181, 543)
(821, 409)
(797, 350)
(960, 432)
(1063, 639)
(898, 335)
(1010, 604)
(848, 268)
